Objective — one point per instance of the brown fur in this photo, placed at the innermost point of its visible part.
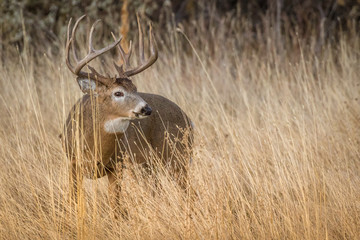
(95, 152)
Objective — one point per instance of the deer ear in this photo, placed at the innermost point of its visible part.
(87, 85)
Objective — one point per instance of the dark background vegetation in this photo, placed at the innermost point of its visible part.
(45, 21)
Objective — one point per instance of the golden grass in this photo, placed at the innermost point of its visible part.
(277, 151)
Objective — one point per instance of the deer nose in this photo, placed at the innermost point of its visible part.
(146, 110)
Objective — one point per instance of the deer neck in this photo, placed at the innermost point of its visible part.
(109, 124)
(109, 128)
(116, 125)
(111, 132)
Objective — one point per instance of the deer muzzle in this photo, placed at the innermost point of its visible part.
(146, 111)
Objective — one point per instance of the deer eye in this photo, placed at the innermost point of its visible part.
(119, 94)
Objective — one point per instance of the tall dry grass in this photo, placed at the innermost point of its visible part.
(277, 145)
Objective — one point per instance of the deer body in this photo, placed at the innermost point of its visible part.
(112, 120)
(167, 118)
(133, 137)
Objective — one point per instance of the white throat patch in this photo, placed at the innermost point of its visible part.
(117, 125)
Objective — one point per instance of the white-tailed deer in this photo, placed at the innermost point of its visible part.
(112, 119)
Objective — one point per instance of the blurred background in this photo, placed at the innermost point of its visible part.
(45, 21)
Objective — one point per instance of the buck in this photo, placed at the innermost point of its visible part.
(113, 121)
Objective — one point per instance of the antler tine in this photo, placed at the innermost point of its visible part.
(69, 42)
(141, 40)
(73, 36)
(153, 56)
(125, 57)
(153, 46)
(91, 48)
(67, 49)
(128, 55)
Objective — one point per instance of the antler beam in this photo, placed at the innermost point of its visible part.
(123, 70)
(92, 53)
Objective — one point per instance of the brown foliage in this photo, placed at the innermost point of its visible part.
(31, 21)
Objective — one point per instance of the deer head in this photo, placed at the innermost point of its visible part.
(116, 96)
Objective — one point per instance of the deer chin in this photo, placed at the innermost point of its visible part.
(117, 125)
(137, 115)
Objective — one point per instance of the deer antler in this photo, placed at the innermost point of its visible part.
(124, 70)
(92, 53)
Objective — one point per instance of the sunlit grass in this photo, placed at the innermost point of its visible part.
(276, 147)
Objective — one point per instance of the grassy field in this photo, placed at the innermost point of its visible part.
(277, 144)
